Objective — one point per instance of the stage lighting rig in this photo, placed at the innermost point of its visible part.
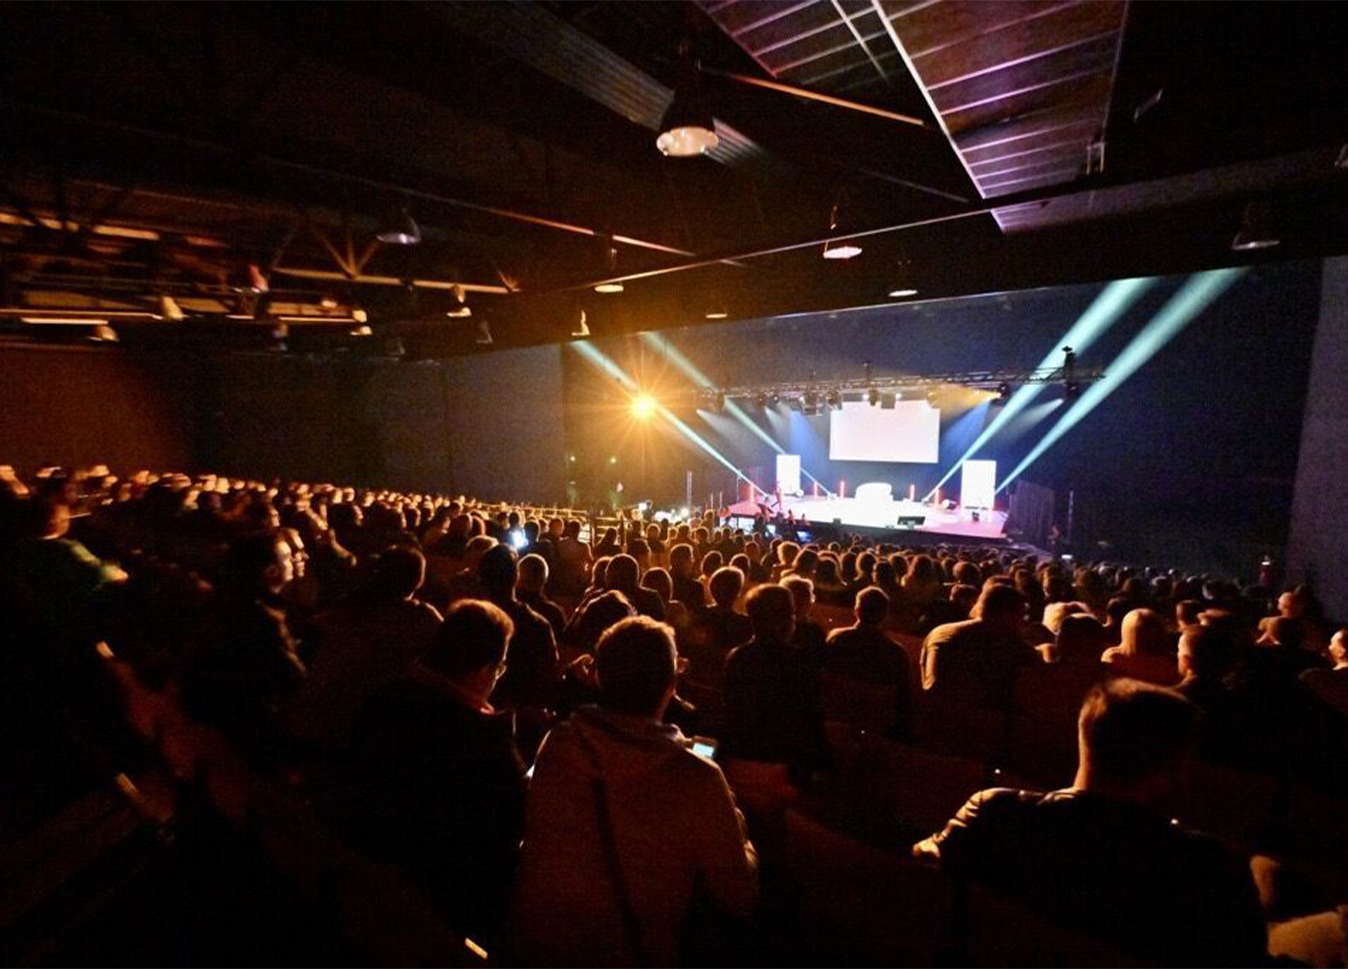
(643, 406)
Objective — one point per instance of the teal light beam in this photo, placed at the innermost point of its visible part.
(691, 370)
(608, 366)
(1197, 294)
(1105, 310)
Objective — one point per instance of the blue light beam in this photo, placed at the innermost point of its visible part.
(1197, 294)
(1105, 310)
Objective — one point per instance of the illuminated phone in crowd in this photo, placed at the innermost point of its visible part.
(705, 747)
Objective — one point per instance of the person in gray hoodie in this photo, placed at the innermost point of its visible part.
(626, 827)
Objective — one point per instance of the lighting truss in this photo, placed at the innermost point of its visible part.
(860, 387)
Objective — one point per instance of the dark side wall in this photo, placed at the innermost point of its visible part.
(1317, 548)
(76, 405)
(487, 425)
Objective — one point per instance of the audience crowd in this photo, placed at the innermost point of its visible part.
(577, 741)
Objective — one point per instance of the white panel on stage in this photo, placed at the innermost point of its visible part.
(788, 473)
(911, 432)
(978, 484)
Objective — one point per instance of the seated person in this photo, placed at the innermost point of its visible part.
(720, 627)
(863, 652)
(809, 637)
(366, 640)
(975, 662)
(772, 706)
(530, 590)
(624, 575)
(436, 785)
(625, 822)
(1331, 685)
(1145, 651)
(1102, 856)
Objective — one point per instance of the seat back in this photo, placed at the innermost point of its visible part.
(918, 788)
(959, 729)
(860, 905)
(1234, 805)
(868, 706)
(997, 931)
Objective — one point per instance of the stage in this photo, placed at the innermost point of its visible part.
(889, 515)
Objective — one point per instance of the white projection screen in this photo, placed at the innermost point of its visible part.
(911, 432)
(978, 484)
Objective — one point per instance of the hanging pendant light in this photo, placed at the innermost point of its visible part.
(839, 250)
(687, 128)
(401, 230)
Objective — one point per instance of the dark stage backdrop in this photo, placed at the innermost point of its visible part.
(1191, 460)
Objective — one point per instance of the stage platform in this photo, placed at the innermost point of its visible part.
(886, 516)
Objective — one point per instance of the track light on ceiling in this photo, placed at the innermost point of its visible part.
(1256, 231)
(582, 329)
(717, 313)
(483, 333)
(838, 250)
(687, 128)
(460, 310)
(169, 308)
(248, 280)
(327, 301)
(401, 230)
(610, 264)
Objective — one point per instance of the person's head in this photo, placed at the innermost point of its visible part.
(397, 573)
(1056, 612)
(1291, 604)
(623, 574)
(1285, 632)
(660, 582)
(533, 575)
(1187, 612)
(1134, 740)
(1338, 649)
(772, 613)
(1143, 632)
(725, 586)
(598, 615)
(1206, 653)
(885, 576)
(967, 573)
(1080, 637)
(964, 598)
(477, 547)
(826, 571)
(807, 559)
(1116, 609)
(257, 564)
(872, 606)
(681, 560)
(470, 646)
(802, 593)
(712, 561)
(1000, 605)
(636, 664)
(498, 571)
(639, 550)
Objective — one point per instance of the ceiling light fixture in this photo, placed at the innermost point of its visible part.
(608, 288)
(401, 230)
(460, 310)
(687, 129)
(483, 333)
(248, 280)
(839, 250)
(582, 329)
(169, 308)
(902, 292)
(1255, 230)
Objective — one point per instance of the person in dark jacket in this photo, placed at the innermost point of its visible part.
(1103, 856)
(863, 652)
(436, 784)
(772, 693)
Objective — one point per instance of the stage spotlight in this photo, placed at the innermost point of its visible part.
(169, 308)
(460, 310)
(810, 403)
(609, 288)
(931, 397)
(760, 401)
(774, 399)
(720, 401)
(643, 406)
(1003, 393)
(873, 397)
(834, 400)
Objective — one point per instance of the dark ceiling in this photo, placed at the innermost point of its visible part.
(156, 149)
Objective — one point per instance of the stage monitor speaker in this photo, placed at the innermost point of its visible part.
(886, 401)
(911, 521)
(948, 505)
